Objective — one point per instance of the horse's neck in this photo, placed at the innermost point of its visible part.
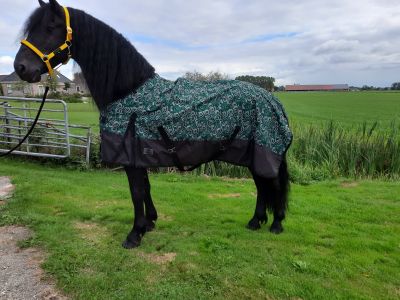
(112, 67)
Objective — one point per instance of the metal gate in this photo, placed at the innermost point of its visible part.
(52, 137)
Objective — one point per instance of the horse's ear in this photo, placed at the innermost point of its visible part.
(55, 7)
(41, 2)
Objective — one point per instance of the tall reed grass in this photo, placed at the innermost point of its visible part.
(329, 151)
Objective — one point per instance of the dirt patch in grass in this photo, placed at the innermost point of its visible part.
(6, 188)
(165, 217)
(90, 232)
(157, 258)
(233, 179)
(85, 226)
(21, 275)
(223, 196)
(349, 184)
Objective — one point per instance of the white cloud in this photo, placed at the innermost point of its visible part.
(337, 41)
(6, 64)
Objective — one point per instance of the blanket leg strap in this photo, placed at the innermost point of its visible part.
(175, 157)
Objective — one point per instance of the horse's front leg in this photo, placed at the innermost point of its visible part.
(260, 214)
(151, 212)
(137, 178)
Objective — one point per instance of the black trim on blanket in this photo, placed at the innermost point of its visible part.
(154, 153)
(171, 148)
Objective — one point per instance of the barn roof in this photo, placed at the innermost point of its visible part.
(316, 87)
(13, 77)
(10, 78)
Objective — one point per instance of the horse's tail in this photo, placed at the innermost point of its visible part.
(284, 184)
(278, 203)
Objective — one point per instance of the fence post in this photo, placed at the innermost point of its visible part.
(66, 127)
(88, 145)
(26, 127)
(7, 130)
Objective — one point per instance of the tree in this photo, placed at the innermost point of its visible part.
(212, 76)
(265, 82)
(1, 90)
(194, 76)
(52, 84)
(367, 88)
(395, 86)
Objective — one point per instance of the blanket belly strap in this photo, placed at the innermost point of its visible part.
(175, 157)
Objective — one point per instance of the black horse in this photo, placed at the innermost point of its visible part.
(113, 69)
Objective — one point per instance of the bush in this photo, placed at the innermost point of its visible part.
(71, 99)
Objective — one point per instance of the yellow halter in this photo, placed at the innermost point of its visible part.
(46, 58)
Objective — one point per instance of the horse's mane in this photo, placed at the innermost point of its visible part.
(111, 65)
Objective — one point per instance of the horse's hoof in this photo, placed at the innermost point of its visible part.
(150, 226)
(276, 229)
(127, 244)
(253, 225)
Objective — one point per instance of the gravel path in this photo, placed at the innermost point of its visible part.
(20, 274)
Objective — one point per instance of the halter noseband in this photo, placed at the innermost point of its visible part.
(46, 58)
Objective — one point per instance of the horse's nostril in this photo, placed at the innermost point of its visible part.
(21, 69)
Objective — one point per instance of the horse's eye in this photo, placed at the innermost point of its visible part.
(50, 28)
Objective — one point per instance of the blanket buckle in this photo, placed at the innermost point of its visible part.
(171, 150)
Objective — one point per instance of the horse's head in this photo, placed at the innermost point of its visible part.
(46, 31)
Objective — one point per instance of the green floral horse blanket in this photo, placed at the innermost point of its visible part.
(185, 123)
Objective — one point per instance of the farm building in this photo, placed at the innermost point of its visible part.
(316, 87)
(13, 86)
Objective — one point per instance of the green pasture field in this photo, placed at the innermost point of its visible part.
(341, 238)
(347, 108)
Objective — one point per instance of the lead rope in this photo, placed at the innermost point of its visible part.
(32, 126)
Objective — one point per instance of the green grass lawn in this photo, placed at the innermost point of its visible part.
(341, 239)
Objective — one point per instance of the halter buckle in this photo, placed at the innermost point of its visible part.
(69, 33)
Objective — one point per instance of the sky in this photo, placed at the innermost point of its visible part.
(304, 42)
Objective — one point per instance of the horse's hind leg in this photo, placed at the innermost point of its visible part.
(150, 209)
(260, 214)
(272, 194)
(137, 184)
